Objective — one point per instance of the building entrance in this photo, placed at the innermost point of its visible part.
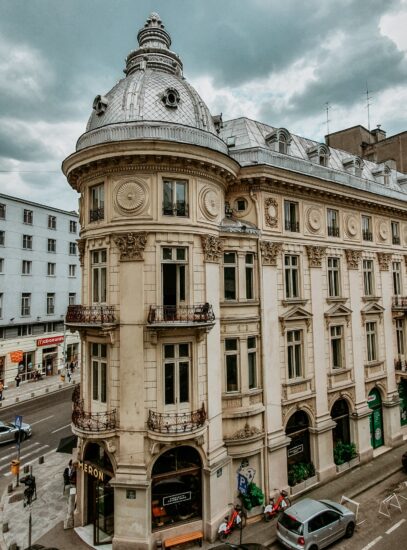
(376, 418)
(402, 388)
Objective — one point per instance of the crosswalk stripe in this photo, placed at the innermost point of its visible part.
(13, 454)
(31, 461)
(22, 457)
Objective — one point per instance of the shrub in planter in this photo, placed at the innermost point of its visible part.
(253, 497)
(299, 472)
(344, 452)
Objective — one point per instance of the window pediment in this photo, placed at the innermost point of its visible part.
(337, 311)
(372, 308)
(294, 315)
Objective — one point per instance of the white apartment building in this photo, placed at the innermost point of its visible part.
(39, 277)
(243, 308)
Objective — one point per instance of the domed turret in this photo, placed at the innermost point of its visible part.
(153, 101)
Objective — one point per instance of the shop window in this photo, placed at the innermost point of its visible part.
(97, 203)
(402, 389)
(99, 275)
(371, 341)
(52, 222)
(231, 363)
(337, 347)
(291, 216)
(252, 362)
(368, 277)
(99, 371)
(175, 198)
(396, 271)
(294, 353)
(28, 217)
(340, 415)
(334, 287)
(27, 242)
(298, 451)
(291, 276)
(26, 366)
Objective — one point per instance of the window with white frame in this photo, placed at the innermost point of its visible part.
(1, 305)
(294, 353)
(291, 276)
(24, 330)
(27, 242)
(52, 245)
(97, 202)
(72, 270)
(175, 199)
(371, 341)
(51, 269)
(231, 364)
(230, 275)
(252, 362)
(177, 366)
(1, 265)
(99, 276)
(2, 211)
(2, 237)
(25, 304)
(396, 269)
(50, 303)
(334, 278)
(249, 272)
(52, 222)
(72, 226)
(174, 272)
(368, 277)
(26, 267)
(337, 347)
(400, 336)
(72, 298)
(333, 222)
(98, 361)
(291, 216)
(28, 216)
(72, 248)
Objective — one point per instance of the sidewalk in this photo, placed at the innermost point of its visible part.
(49, 510)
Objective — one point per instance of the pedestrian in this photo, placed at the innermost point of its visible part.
(72, 475)
(71, 367)
(68, 373)
(1, 390)
(18, 380)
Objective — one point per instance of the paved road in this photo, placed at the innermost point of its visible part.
(49, 417)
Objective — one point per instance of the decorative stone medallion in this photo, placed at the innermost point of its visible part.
(314, 219)
(271, 212)
(210, 203)
(382, 230)
(351, 225)
(130, 196)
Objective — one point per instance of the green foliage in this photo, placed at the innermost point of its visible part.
(344, 452)
(300, 472)
(253, 497)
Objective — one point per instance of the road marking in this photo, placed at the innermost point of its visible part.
(32, 461)
(13, 454)
(372, 543)
(25, 456)
(395, 526)
(42, 420)
(59, 429)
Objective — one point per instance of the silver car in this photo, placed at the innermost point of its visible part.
(313, 524)
(9, 431)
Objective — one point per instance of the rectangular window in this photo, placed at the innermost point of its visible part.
(72, 270)
(395, 232)
(252, 362)
(99, 274)
(396, 268)
(249, 271)
(99, 372)
(400, 336)
(1, 305)
(51, 269)
(294, 354)
(2, 211)
(52, 222)
(175, 199)
(26, 267)
(371, 341)
(27, 242)
(72, 249)
(291, 276)
(72, 226)
(334, 287)
(333, 222)
(97, 203)
(2, 237)
(368, 279)
(50, 303)
(229, 275)
(52, 245)
(337, 347)
(367, 234)
(24, 330)
(177, 363)
(231, 362)
(28, 216)
(72, 298)
(25, 304)
(291, 216)
(1, 265)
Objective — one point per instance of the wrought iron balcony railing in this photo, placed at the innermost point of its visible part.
(176, 423)
(96, 214)
(367, 235)
(198, 314)
(93, 422)
(90, 315)
(333, 231)
(395, 239)
(399, 303)
(400, 364)
(292, 226)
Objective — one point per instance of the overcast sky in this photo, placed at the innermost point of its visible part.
(275, 61)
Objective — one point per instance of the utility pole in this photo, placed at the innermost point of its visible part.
(327, 120)
(368, 98)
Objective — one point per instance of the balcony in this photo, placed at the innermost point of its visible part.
(181, 316)
(96, 214)
(395, 239)
(399, 304)
(367, 235)
(93, 422)
(333, 231)
(176, 423)
(93, 316)
(292, 226)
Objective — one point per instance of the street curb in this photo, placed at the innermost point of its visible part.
(374, 482)
(57, 390)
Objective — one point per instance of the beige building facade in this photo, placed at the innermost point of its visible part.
(242, 313)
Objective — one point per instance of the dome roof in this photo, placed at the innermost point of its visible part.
(153, 101)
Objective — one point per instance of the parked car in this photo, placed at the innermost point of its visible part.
(9, 431)
(404, 461)
(243, 546)
(314, 524)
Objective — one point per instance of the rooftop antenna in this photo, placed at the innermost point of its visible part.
(368, 98)
(328, 120)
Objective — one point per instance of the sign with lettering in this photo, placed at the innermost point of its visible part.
(295, 450)
(16, 356)
(50, 340)
(242, 484)
(176, 499)
(92, 470)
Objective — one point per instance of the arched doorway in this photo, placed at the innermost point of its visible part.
(298, 451)
(402, 388)
(100, 495)
(374, 401)
(340, 415)
(176, 487)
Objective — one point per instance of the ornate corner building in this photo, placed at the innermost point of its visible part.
(242, 306)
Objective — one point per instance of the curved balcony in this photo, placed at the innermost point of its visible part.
(196, 316)
(91, 422)
(90, 316)
(176, 423)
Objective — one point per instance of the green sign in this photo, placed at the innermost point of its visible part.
(403, 402)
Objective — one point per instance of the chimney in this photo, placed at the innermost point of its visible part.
(378, 134)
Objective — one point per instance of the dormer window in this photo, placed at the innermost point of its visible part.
(279, 140)
(382, 174)
(353, 165)
(319, 154)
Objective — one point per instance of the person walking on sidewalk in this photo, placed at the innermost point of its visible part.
(18, 380)
(1, 390)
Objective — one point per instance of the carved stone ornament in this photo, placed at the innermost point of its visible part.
(81, 249)
(269, 252)
(210, 203)
(212, 248)
(246, 432)
(314, 219)
(384, 261)
(271, 212)
(130, 196)
(315, 255)
(353, 258)
(405, 261)
(351, 225)
(131, 246)
(382, 230)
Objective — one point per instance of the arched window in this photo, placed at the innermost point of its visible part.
(319, 154)
(279, 140)
(340, 415)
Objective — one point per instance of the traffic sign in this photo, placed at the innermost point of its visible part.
(242, 484)
(18, 421)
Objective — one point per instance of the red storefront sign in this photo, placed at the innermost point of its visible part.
(50, 340)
